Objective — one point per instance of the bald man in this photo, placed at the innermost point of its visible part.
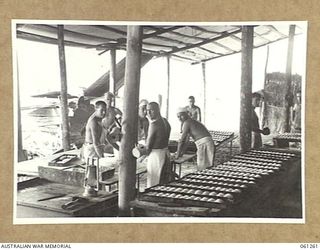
(201, 137)
(143, 123)
(158, 166)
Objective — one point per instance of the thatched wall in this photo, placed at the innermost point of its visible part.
(274, 98)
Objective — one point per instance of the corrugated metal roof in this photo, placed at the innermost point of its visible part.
(192, 43)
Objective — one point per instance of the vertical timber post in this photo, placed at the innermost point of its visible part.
(288, 95)
(204, 92)
(64, 90)
(246, 88)
(112, 80)
(127, 172)
(168, 86)
(21, 156)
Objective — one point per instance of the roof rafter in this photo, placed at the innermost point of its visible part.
(40, 38)
(223, 35)
(77, 33)
(276, 30)
(229, 54)
(159, 31)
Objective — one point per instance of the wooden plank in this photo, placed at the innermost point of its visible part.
(246, 88)
(64, 91)
(128, 166)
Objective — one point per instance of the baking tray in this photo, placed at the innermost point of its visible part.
(63, 160)
(182, 201)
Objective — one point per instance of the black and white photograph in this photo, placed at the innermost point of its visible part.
(143, 122)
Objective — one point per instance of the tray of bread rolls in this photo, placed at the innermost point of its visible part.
(289, 136)
(222, 185)
(220, 136)
(188, 195)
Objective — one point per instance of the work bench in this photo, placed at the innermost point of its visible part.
(282, 140)
(47, 199)
(256, 184)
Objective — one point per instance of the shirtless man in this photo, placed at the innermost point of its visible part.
(256, 140)
(296, 115)
(158, 166)
(92, 147)
(111, 123)
(193, 110)
(201, 137)
(143, 123)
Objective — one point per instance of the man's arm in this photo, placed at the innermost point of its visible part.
(183, 139)
(199, 113)
(112, 141)
(96, 138)
(292, 109)
(145, 128)
(150, 138)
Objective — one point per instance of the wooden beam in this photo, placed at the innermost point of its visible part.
(108, 28)
(236, 52)
(64, 91)
(84, 35)
(183, 58)
(127, 171)
(204, 78)
(187, 36)
(159, 31)
(112, 82)
(21, 156)
(205, 30)
(288, 95)
(277, 31)
(223, 35)
(224, 47)
(168, 86)
(246, 88)
(49, 40)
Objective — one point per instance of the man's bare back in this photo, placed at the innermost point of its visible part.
(195, 129)
(158, 134)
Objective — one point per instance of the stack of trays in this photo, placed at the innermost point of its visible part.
(220, 136)
(289, 136)
(224, 184)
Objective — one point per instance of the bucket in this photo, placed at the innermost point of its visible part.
(139, 150)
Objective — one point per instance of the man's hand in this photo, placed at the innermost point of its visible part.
(176, 155)
(266, 131)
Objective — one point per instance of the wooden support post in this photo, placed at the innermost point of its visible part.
(263, 109)
(127, 171)
(64, 91)
(112, 82)
(168, 86)
(246, 88)
(204, 77)
(288, 95)
(21, 156)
